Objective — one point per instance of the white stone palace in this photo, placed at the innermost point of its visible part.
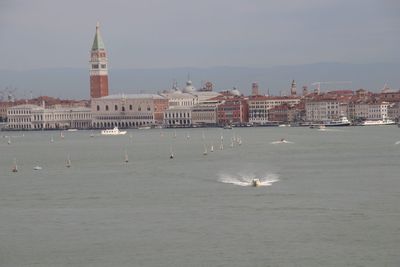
(33, 117)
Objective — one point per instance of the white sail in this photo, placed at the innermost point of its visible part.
(68, 162)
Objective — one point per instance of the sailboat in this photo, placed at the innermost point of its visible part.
(239, 141)
(175, 134)
(187, 136)
(68, 162)
(126, 156)
(221, 146)
(212, 148)
(15, 166)
(61, 135)
(205, 150)
(172, 154)
(9, 140)
(52, 139)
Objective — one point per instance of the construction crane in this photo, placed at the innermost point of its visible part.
(318, 84)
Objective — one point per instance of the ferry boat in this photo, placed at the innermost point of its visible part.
(377, 122)
(114, 131)
(342, 121)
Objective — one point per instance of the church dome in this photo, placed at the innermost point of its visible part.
(189, 87)
(235, 92)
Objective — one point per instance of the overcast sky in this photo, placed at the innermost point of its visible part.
(177, 33)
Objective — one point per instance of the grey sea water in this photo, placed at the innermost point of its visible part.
(330, 198)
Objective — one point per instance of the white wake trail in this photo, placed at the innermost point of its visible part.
(246, 179)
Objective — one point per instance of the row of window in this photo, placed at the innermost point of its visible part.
(139, 117)
(96, 66)
(178, 115)
(122, 108)
(19, 112)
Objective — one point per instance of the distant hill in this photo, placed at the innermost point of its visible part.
(73, 83)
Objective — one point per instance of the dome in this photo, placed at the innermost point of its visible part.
(235, 92)
(189, 87)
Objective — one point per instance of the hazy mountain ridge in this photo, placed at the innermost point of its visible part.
(71, 83)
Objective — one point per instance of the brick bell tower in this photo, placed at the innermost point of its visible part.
(98, 67)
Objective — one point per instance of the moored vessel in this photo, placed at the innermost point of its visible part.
(114, 131)
(377, 122)
(342, 121)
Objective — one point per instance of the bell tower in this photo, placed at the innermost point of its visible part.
(293, 88)
(98, 67)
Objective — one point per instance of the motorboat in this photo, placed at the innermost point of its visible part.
(255, 182)
(228, 127)
(37, 168)
(377, 122)
(144, 128)
(114, 131)
(342, 121)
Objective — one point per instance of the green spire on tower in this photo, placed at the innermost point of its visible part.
(98, 42)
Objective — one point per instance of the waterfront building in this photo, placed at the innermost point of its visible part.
(259, 106)
(394, 111)
(127, 110)
(233, 108)
(3, 110)
(98, 67)
(378, 110)
(204, 114)
(285, 113)
(178, 116)
(358, 110)
(33, 117)
(328, 106)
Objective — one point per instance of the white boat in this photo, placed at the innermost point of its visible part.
(205, 150)
(212, 148)
(144, 128)
(72, 130)
(228, 127)
(342, 121)
(255, 182)
(114, 131)
(37, 168)
(377, 122)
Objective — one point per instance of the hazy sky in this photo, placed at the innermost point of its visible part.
(38, 34)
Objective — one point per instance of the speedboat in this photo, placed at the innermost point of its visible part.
(255, 182)
(114, 131)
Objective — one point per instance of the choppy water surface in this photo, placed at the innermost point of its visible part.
(329, 198)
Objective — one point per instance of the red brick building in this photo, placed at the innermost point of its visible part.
(98, 67)
(233, 109)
